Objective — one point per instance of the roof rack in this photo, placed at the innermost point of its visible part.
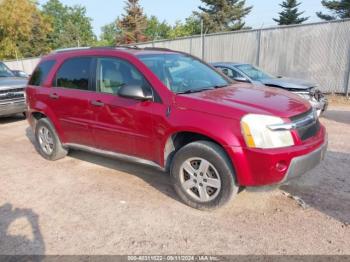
(61, 50)
(157, 48)
(115, 47)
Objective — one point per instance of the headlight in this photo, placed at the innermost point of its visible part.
(257, 134)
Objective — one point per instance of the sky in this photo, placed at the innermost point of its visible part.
(106, 11)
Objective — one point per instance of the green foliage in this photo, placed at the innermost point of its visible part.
(24, 29)
(290, 14)
(223, 15)
(156, 29)
(71, 26)
(339, 10)
(133, 24)
(192, 26)
(109, 34)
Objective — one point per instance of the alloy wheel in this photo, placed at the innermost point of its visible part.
(200, 179)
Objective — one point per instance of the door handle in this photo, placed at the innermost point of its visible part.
(54, 96)
(97, 103)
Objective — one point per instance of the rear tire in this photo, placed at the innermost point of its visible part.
(48, 143)
(203, 176)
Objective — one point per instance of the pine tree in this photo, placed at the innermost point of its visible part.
(290, 14)
(339, 9)
(133, 24)
(223, 15)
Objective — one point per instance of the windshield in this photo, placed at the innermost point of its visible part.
(4, 71)
(182, 73)
(253, 72)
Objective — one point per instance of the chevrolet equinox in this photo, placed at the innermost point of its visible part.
(172, 110)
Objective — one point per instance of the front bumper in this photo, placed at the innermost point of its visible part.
(263, 167)
(12, 107)
(302, 164)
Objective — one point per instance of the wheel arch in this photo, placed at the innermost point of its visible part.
(179, 139)
(42, 111)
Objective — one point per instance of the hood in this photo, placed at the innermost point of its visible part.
(240, 99)
(12, 82)
(288, 83)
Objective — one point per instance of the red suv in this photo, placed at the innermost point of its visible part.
(172, 110)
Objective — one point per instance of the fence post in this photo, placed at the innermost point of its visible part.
(203, 46)
(258, 49)
(191, 46)
(347, 76)
(348, 85)
(23, 69)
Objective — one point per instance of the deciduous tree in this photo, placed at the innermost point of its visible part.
(109, 34)
(24, 29)
(71, 25)
(192, 26)
(156, 29)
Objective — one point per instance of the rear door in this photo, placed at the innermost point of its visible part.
(69, 98)
(120, 124)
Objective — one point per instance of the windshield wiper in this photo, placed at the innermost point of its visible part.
(217, 86)
(191, 91)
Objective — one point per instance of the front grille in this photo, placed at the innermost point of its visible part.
(12, 90)
(309, 130)
(301, 116)
(12, 94)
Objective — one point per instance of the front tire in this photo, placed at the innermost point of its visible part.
(49, 145)
(203, 176)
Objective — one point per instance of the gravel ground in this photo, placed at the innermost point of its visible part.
(87, 204)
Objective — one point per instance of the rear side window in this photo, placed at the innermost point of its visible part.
(74, 74)
(41, 72)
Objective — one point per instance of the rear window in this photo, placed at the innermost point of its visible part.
(41, 72)
(74, 74)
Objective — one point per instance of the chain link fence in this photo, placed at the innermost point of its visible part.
(319, 52)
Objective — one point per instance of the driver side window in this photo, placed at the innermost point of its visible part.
(113, 73)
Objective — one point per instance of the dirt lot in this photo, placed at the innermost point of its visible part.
(86, 204)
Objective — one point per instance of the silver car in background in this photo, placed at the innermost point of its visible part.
(12, 97)
(250, 74)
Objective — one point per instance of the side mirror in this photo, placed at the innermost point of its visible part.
(134, 92)
(241, 79)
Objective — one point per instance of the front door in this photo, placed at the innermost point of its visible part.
(120, 124)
